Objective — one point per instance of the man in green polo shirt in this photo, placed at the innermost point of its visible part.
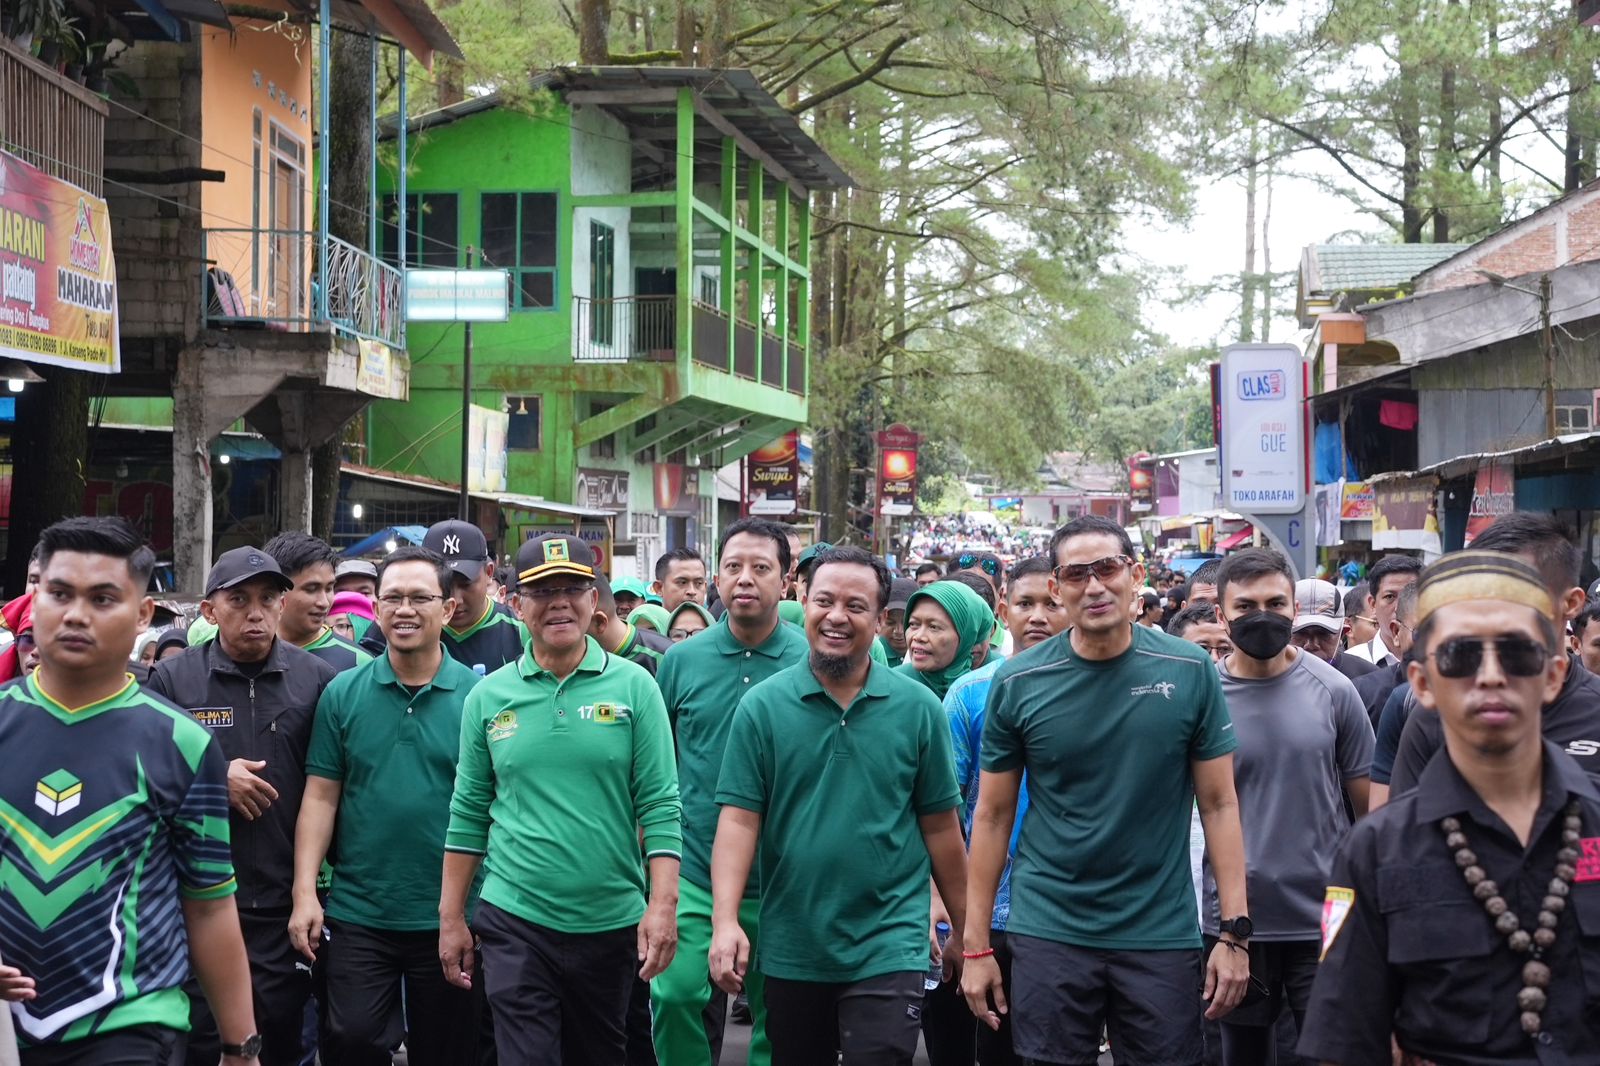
(381, 766)
(840, 771)
(702, 681)
(308, 562)
(566, 759)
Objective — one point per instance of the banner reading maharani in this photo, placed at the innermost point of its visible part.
(58, 280)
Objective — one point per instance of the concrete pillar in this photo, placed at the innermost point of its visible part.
(294, 491)
(191, 474)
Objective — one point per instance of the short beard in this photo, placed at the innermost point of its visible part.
(831, 667)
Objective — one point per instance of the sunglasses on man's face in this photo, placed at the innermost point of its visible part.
(1463, 656)
(967, 560)
(1104, 569)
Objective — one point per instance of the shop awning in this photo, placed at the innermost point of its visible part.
(1233, 540)
(412, 534)
(1462, 465)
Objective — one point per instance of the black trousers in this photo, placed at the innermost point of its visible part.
(385, 986)
(137, 1045)
(280, 984)
(1281, 974)
(558, 999)
(994, 1045)
(872, 1022)
(948, 1027)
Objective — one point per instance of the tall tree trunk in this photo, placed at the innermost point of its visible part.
(686, 33)
(1496, 107)
(1247, 280)
(718, 28)
(451, 78)
(1266, 264)
(1408, 130)
(1445, 156)
(49, 450)
(350, 210)
(594, 23)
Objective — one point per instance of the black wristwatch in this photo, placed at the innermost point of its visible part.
(1239, 928)
(248, 1048)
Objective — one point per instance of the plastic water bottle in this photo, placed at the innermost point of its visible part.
(480, 669)
(935, 973)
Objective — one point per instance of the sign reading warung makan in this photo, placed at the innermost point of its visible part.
(58, 281)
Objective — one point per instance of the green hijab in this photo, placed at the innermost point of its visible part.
(973, 622)
(688, 605)
(793, 612)
(653, 613)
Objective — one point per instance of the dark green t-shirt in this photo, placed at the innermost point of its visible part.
(702, 681)
(843, 865)
(493, 640)
(1103, 857)
(393, 751)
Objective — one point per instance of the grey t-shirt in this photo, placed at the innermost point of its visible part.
(1302, 735)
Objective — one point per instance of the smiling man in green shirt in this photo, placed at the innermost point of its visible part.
(839, 771)
(395, 720)
(566, 758)
(702, 681)
(309, 562)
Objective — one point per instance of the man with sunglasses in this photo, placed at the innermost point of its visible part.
(566, 760)
(1305, 747)
(1572, 718)
(1461, 917)
(987, 565)
(396, 719)
(1119, 728)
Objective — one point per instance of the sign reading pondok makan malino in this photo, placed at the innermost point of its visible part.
(58, 280)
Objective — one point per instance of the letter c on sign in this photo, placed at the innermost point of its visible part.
(1294, 533)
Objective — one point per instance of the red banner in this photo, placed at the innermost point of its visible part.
(1494, 493)
(897, 470)
(58, 281)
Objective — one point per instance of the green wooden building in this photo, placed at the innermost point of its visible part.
(656, 226)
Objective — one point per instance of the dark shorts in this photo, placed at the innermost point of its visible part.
(1061, 997)
(137, 1045)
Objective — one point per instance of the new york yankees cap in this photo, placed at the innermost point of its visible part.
(462, 544)
(239, 565)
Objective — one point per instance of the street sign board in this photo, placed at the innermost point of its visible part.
(1263, 446)
(457, 295)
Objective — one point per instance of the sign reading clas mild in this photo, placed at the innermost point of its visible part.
(58, 280)
(1262, 392)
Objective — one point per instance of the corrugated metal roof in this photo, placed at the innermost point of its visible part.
(1373, 267)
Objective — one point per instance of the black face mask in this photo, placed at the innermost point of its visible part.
(1261, 634)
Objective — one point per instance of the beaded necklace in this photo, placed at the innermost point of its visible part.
(1535, 972)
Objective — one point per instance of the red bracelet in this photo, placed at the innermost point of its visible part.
(984, 954)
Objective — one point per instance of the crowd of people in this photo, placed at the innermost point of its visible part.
(1017, 812)
(946, 536)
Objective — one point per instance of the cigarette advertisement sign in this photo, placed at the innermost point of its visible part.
(58, 280)
(772, 476)
(1263, 429)
(1494, 493)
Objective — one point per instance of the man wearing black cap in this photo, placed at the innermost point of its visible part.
(892, 633)
(258, 696)
(481, 632)
(566, 762)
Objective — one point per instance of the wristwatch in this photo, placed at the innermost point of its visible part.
(248, 1048)
(1239, 928)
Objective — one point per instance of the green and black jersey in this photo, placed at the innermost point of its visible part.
(337, 652)
(108, 815)
(492, 641)
(645, 647)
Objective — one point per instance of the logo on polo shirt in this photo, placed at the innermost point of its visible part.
(605, 712)
(58, 793)
(1164, 689)
(502, 726)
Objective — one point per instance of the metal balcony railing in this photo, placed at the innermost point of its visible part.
(266, 279)
(624, 329)
(50, 121)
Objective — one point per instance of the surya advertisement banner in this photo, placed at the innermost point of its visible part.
(772, 476)
(58, 280)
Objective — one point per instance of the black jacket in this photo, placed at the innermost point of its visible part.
(1571, 721)
(1374, 688)
(1351, 666)
(269, 718)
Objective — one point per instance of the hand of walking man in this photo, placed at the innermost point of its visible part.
(986, 998)
(658, 939)
(730, 957)
(1227, 974)
(455, 951)
(248, 794)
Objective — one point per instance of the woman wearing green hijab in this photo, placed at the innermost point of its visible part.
(651, 616)
(944, 622)
(690, 618)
